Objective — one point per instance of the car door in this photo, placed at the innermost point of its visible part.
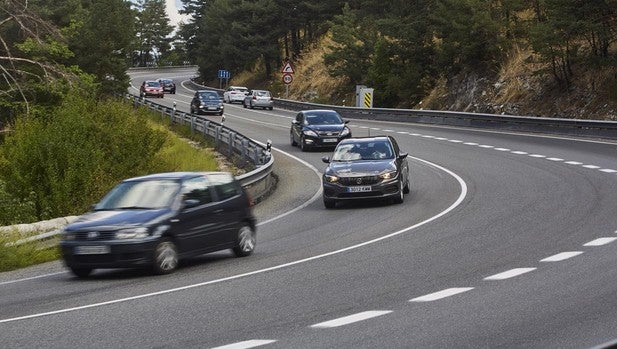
(230, 209)
(297, 125)
(196, 224)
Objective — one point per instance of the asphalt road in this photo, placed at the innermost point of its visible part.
(506, 240)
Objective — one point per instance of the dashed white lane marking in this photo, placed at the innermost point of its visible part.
(455, 141)
(346, 320)
(573, 163)
(539, 156)
(470, 143)
(509, 274)
(502, 149)
(486, 146)
(518, 152)
(30, 278)
(428, 136)
(600, 242)
(441, 294)
(608, 170)
(592, 167)
(247, 344)
(561, 256)
(554, 159)
(388, 130)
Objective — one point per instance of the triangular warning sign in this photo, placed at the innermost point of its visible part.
(287, 69)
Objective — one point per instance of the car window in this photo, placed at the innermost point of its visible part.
(208, 95)
(153, 84)
(346, 152)
(197, 189)
(323, 119)
(224, 185)
(148, 194)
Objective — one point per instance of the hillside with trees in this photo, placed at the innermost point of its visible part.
(476, 55)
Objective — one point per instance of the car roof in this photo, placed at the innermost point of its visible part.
(173, 176)
(238, 87)
(365, 139)
(318, 111)
(200, 91)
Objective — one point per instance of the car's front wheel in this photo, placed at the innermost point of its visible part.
(165, 259)
(401, 193)
(303, 145)
(81, 272)
(292, 140)
(245, 242)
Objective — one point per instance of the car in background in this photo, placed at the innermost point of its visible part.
(318, 128)
(258, 98)
(235, 94)
(366, 168)
(151, 88)
(207, 101)
(168, 85)
(154, 221)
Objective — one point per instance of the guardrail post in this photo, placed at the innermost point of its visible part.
(232, 140)
(206, 127)
(217, 136)
(245, 145)
(192, 124)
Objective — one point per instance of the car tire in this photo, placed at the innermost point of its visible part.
(401, 194)
(245, 241)
(271, 108)
(292, 140)
(329, 203)
(165, 257)
(406, 188)
(81, 272)
(244, 104)
(252, 106)
(220, 114)
(192, 110)
(303, 146)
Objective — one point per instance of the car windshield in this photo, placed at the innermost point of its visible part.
(240, 89)
(153, 84)
(379, 150)
(147, 194)
(169, 82)
(208, 95)
(323, 119)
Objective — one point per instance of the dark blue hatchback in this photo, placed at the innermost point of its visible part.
(318, 129)
(154, 221)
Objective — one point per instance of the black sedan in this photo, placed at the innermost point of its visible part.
(317, 129)
(168, 85)
(153, 221)
(207, 101)
(366, 168)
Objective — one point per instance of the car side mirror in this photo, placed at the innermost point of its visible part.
(295, 122)
(326, 159)
(346, 121)
(188, 203)
(402, 155)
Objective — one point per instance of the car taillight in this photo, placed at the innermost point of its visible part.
(254, 97)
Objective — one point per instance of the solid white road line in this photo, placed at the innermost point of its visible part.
(247, 344)
(561, 256)
(600, 242)
(441, 294)
(509, 274)
(351, 319)
(31, 278)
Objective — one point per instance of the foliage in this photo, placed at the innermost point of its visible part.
(153, 31)
(69, 159)
(13, 256)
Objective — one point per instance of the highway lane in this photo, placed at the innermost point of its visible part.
(518, 210)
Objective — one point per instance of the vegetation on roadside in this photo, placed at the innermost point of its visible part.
(14, 256)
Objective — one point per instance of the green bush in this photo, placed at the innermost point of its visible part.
(64, 162)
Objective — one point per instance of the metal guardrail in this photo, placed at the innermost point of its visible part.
(558, 126)
(259, 181)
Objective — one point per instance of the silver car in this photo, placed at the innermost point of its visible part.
(258, 98)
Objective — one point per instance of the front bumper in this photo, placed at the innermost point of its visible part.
(384, 189)
(323, 141)
(122, 254)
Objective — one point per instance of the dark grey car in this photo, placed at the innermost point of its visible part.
(153, 221)
(318, 128)
(366, 168)
(207, 101)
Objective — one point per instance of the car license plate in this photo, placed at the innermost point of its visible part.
(92, 249)
(329, 140)
(358, 189)
(211, 108)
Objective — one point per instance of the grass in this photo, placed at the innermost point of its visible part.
(19, 256)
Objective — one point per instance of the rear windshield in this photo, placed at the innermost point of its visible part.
(153, 84)
(262, 93)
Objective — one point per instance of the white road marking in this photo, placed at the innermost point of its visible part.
(554, 159)
(509, 274)
(486, 146)
(561, 256)
(502, 149)
(470, 143)
(573, 163)
(593, 167)
(518, 152)
(402, 133)
(31, 278)
(428, 136)
(600, 242)
(608, 170)
(455, 141)
(455, 204)
(363, 126)
(351, 319)
(441, 138)
(247, 344)
(388, 130)
(537, 156)
(414, 134)
(441, 294)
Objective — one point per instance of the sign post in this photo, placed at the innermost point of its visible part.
(288, 72)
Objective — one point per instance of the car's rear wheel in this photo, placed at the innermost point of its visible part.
(245, 242)
(81, 272)
(328, 203)
(252, 106)
(165, 259)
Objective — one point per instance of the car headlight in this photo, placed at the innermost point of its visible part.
(345, 132)
(388, 175)
(67, 235)
(310, 133)
(330, 178)
(132, 233)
